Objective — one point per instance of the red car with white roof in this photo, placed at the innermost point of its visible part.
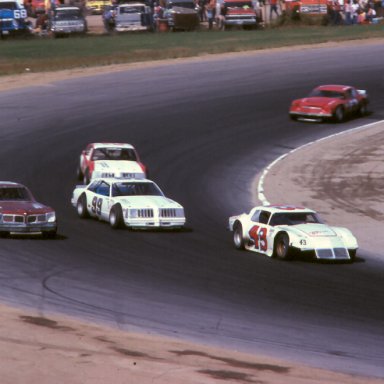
(330, 102)
(20, 213)
(110, 160)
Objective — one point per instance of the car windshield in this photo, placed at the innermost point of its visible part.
(114, 154)
(67, 14)
(8, 5)
(14, 193)
(184, 4)
(132, 9)
(237, 4)
(326, 93)
(135, 189)
(294, 218)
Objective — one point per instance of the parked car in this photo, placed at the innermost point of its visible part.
(330, 102)
(128, 203)
(13, 19)
(67, 20)
(283, 231)
(110, 160)
(181, 14)
(20, 213)
(238, 14)
(132, 17)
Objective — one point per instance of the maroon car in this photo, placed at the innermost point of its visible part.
(330, 102)
(21, 213)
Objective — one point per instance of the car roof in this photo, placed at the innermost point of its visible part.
(334, 87)
(111, 145)
(66, 7)
(284, 209)
(131, 4)
(122, 179)
(10, 183)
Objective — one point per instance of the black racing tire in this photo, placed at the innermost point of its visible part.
(116, 217)
(79, 173)
(50, 234)
(238, 239)
(293, 117)
(86, 177)
(81, 207)
(352, 254)
(339, 114)
(4, 234)
(281, 249)
(363, 110)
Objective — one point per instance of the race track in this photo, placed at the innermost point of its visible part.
(204, 128)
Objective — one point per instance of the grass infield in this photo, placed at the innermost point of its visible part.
(47, 54)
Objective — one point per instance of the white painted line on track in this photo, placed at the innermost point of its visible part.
(260, 186)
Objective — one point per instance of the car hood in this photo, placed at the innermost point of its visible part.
(314, 230)
(6, 14)
(128, 17)
(183, 10)
(147, 202)
(317, 101)
(23, 207)
(117, 166)
(241, 11)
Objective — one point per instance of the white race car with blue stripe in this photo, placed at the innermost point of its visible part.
(135, 203)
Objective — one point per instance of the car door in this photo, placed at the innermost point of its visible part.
(100, 200)
(258, 231)
(352, 100)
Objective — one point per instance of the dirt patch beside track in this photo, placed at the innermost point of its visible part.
(45, 350)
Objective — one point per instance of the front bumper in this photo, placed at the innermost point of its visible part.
(23, 228)
(68, 30)
(155, 223)
(240, 22)
(130, 28)
(303, 114)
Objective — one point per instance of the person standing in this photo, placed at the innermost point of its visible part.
(211, 13)
(348, 12)
(273, 8)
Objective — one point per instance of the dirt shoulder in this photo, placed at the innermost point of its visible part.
(46, 350)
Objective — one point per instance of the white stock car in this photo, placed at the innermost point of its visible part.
(128, 203)
(110, 160)
(280, 231)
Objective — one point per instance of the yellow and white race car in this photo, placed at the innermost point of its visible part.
(282, 231)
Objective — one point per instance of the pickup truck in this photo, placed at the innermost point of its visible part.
(13, 19)
(65, 21)
(236, 13)
(132, 17)
(181, 14)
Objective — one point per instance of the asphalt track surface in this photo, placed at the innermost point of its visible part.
(204, 128)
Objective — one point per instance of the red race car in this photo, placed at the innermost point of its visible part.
(110, 160)
(330, 102)
(21, 213)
